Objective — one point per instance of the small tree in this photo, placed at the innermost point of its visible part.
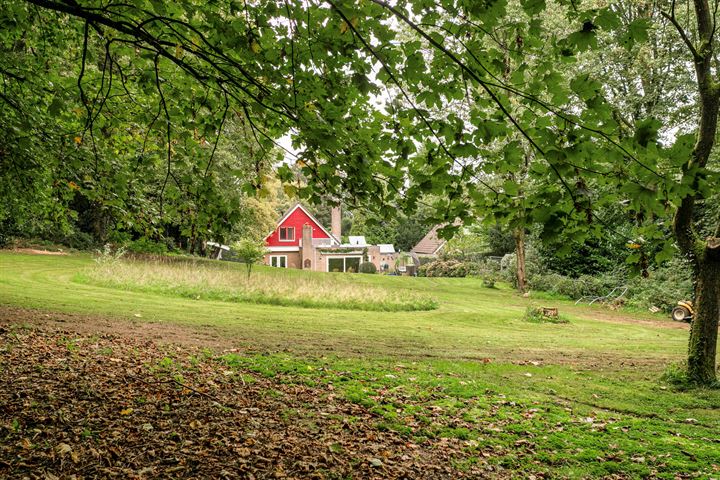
(367, 267)
(249, 252)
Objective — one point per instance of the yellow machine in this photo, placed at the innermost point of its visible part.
(683, 312)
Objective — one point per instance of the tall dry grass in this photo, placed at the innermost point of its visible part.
(203, 280)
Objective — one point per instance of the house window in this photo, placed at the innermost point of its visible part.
(336, 265)
(278, 261)
(287, 234)
(343, 264)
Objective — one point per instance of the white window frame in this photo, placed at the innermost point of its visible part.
(327, 261)
(278, 257)
(290, 229)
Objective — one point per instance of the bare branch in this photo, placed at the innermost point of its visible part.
(683, 35)
(83, 98)
(168, 130)
(217, 139)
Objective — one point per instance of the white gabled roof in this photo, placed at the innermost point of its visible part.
(357, 240)
(386, 248)
(312, 217)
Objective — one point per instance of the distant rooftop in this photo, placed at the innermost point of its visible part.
(357, 240)
(430, 244)
(386, 248)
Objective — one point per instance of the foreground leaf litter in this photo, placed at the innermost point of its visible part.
(76, 405)
(107, 406)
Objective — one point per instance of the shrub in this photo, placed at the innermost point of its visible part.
(78, 240)
(537, 315)
(8, 229)
(445, 268)
(367, 267)
(664, 287)
(118, 237)
(577, 287)
(474, 269)
(109, 256)
(424, 260)
(146, 245)
(487, 270)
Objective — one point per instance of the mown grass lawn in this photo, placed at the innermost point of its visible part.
(569, 400)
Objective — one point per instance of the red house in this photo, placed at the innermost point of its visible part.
(300, 241)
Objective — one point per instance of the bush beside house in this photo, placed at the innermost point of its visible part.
(367, 267)
(444, 268)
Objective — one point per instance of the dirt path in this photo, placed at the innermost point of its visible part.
(617, 317)
(164, 333)
(35, 251)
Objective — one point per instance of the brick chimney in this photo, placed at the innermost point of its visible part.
(307, 251)
(336, 222)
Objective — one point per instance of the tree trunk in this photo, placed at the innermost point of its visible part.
(519, 235)
(99, 222)
(704, 258)
(192, 241)
(704, 329)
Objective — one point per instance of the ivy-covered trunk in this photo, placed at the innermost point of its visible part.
(704, 255)
(703, 332)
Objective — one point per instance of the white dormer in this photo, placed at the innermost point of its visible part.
(357, 241)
